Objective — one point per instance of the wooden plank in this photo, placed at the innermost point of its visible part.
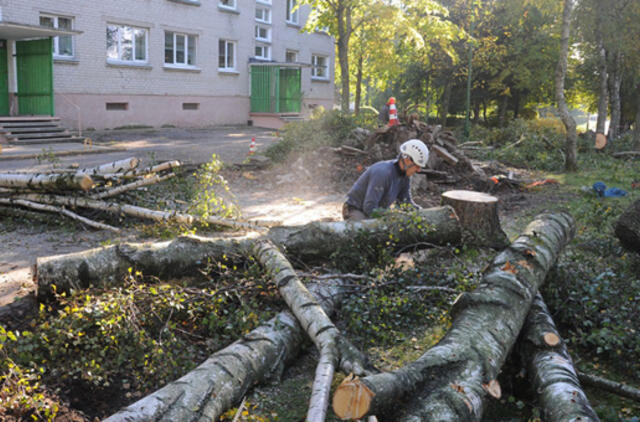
(442, 153)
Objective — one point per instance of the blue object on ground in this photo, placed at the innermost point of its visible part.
(601, 190)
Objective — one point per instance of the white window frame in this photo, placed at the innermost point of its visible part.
(186, 36)
(314, 67)
(295, 54)
(292, 12)
(265, 11)
(257, 30)
(265, 48)
(56, 41)
(226, 67)
(263, 1)
(133, 60)
(228, 6)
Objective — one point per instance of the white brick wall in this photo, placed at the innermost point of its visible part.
(91, 78)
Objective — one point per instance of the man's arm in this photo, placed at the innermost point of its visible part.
(375, 191)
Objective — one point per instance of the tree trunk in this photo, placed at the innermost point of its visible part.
(603, 92)
(358, 86)
(343, 16)
(571, 156)
(108, 265)
(636, 123)
(316, 323)
(502, 112)
(222, 380)
(628, 227)
(553, 377)
(318, 240)
(48, 182)
(444, 105)
(478, 214)
(614, 124)
(453, 375)
(120, 166)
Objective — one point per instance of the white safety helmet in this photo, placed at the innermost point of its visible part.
(417, 150)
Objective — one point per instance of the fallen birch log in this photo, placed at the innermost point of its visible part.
(333, 348)
(130, 186)
(455, 377)
(52, 182)
(438, 225)
(553, 377)
(168, 165)
(222, 380)
(63, 211)
(109, 265)
(103, 266)
(121, 166)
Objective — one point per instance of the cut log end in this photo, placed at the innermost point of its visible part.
(493, 389)
(85, 182)
(352, 399)
(551, 339)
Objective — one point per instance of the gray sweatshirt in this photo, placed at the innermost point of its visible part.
(379, 186)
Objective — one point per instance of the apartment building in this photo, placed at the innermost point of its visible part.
(104, 64)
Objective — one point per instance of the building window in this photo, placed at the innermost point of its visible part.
(263, 33)
(190, 106)
(263, 14)
(228, 4)
(179, 49)
(263, 52)
(320, 67)
(226, 55)
(291, 56)
(63, 44)
(292, 12)
(126, 43)
(263, 1)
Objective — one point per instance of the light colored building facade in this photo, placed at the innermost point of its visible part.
(179, 62)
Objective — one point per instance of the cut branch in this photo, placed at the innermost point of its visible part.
(63, 211)
(610, 386)
(130, 186)
(485, 326)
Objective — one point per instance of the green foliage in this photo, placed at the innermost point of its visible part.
(325, 128)
(535, 144)
(211, 190)
(126, 341)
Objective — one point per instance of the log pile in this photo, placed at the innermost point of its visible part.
(62, 190)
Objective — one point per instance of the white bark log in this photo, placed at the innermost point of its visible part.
(126, 165)
(318, 326)
(222, 380)
(52, 182)
(130, 186)
(65, 212)
(168, 165)
(485, 326)
(553, 377)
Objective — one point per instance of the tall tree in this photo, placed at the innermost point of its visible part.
(571, 161)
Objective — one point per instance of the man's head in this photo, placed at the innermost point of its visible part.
(414, 155)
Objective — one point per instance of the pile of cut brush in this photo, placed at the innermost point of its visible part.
(448, 164)
(60, 190)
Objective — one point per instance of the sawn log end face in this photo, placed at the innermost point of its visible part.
(352, 399)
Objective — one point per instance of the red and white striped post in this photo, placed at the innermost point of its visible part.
(252, 146)
(393, 112)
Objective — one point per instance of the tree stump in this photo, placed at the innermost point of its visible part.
(478, 214)
(628, 227)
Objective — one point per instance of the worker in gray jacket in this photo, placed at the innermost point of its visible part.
(386, 182)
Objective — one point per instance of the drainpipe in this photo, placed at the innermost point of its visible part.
(12, 70)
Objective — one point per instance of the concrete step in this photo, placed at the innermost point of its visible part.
(18, 119)
(39, 129)
(11, 125)
(43, 135)
(59, 140)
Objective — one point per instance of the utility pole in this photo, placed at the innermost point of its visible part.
(467, 120)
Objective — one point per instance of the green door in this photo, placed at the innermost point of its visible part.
(35, 77)
(290, 92)
(275, 89)
(4, 80)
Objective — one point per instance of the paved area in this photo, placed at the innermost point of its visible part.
(191, 146)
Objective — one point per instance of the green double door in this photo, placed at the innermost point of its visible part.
(35, 77)
(4, 80)
(275, 89)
